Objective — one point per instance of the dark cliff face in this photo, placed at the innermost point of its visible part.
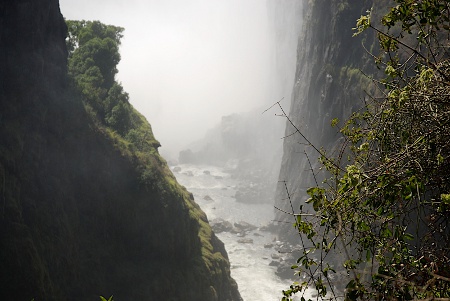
(328, 84)
(76, 219)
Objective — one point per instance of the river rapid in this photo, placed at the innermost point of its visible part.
(214, 190)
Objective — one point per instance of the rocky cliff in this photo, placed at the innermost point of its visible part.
(328, 84)
(79, 215)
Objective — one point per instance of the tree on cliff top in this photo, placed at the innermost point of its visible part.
(94, 45)
(93, 58)
(387, 210)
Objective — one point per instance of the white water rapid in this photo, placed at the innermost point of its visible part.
(214, 191)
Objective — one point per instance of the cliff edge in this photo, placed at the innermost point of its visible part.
(81, 213)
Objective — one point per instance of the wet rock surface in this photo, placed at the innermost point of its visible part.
(220, 225)
(245, 241)
(285, 257)
(244, 226)
(188, 173)
(208, 198)
(284, 254)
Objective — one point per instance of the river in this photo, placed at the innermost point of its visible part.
(214, 190)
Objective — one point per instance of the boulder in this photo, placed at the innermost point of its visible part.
(208, 198)
(244, 226)
(220, 225)
(188, 173)
(245, 241)
(274, 263)
(285, 271)
(252, 193)
(271, 227)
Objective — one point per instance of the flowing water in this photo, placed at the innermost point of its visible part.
(214, 191)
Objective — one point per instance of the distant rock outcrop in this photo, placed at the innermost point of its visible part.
(246, 146)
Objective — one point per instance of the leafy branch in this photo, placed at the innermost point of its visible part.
(386, 213)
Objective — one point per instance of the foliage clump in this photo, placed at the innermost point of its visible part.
(385, 207)
(93, 58)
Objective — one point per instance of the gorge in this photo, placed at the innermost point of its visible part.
(92, 205)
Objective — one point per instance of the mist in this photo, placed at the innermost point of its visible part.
(204, 73)
(186, 64)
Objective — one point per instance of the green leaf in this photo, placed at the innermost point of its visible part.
(362, 24)
(408, 236)
(390, 71)
(334, 122)
(445, 198)
(368, 255)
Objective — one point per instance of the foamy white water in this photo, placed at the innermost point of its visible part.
(249, 262)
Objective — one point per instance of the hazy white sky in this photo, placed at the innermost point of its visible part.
(186, 63)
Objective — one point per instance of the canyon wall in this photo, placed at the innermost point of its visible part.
(328, 84)
(82, 215)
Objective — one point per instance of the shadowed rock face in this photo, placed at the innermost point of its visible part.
(327, 85)
(76, 219)
(32, 43)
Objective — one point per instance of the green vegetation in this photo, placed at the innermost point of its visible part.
(385, 207)
(93, 58)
